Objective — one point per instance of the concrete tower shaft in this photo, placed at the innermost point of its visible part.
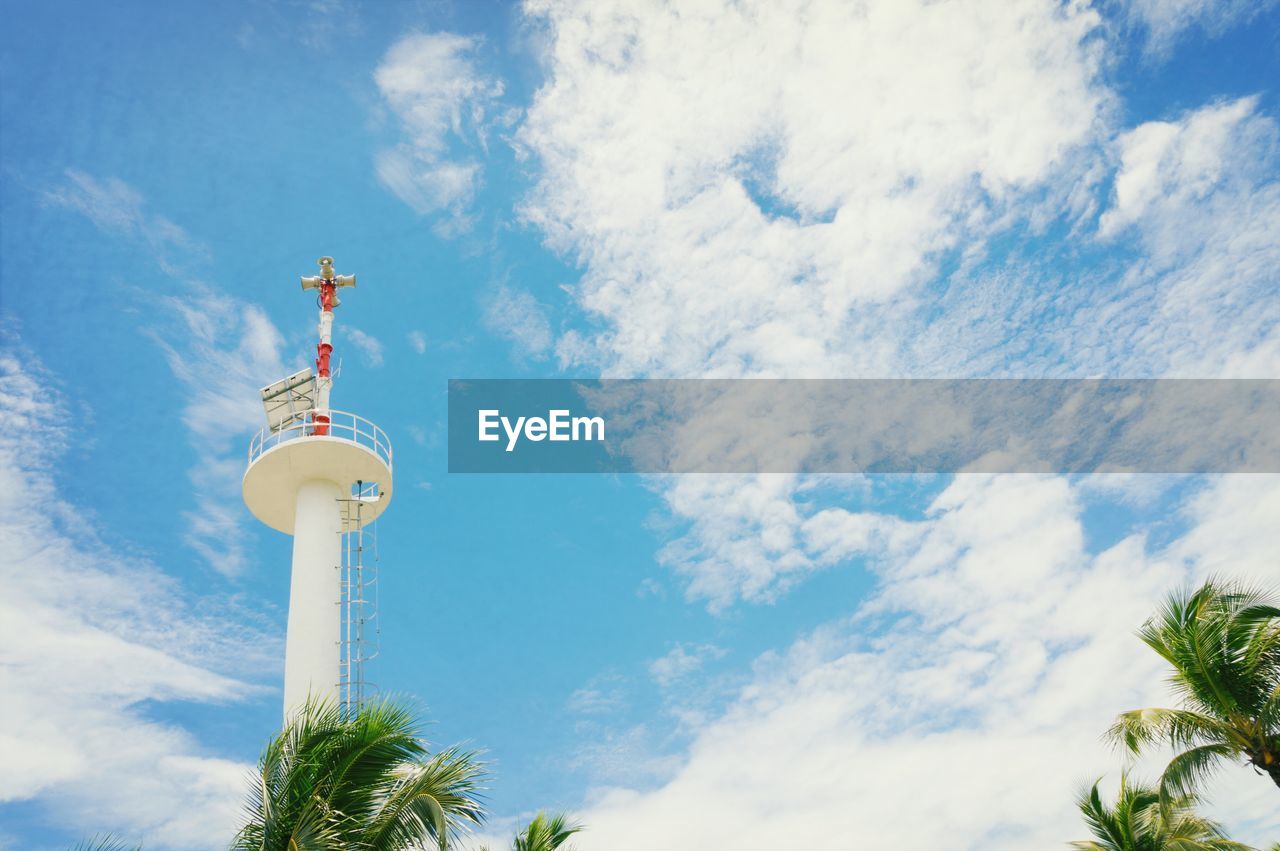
(312, 654)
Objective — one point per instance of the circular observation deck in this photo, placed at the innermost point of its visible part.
(353, 452)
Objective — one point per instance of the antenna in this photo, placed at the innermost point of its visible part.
(328, 284)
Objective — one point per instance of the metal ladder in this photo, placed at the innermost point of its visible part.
(360, 635)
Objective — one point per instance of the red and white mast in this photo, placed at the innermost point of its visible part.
(328, 284)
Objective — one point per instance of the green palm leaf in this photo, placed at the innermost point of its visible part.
(546, 834)
(105, 843)
(1223, 643)
(366, 782)
(1142, 819)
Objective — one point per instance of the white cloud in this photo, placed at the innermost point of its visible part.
(424, 185)
(229, 350)
(753, 537)
(604, 694)
(973, 688)
(520, 318)
(1167, 166)
(222, 351)
(681, 661)
(787, 218)
(736, 221)
(764, 188)
(86, 637)
(1166, 20)
(419, 435)
(116, 207)
(627, 756)
(431, 83)
(977, 685)
(1201, 198)
(324, 22)
(741, 540)
(1186, 286)
(1224, 539)
(418, 341)
(370, 347)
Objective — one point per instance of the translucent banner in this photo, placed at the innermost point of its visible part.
(864, 426)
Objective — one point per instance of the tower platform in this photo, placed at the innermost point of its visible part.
(354, 451)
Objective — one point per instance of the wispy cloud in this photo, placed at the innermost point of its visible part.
(1168, 166)
(117, 208)
(370, 347)
(326, 20)
(418, 342)
(316, 24)
(87, 637)
(520, 318)
(753, 223)
(444, 102)
(742, 538)
(220, 349)
(843, 205)
(785, 238)
(682, 661)
(1198, 200)
(980, 676)
(603, 694)
(624, 756)
(1166, 21)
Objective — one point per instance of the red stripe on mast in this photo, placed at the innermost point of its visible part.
(323, 351)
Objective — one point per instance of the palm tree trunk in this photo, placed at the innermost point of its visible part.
(1268, 762)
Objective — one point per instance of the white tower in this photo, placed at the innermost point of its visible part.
(320, 475)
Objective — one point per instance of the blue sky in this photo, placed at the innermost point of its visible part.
(799, 189)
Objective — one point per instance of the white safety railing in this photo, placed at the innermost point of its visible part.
(342, 425)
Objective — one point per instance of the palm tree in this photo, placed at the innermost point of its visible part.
(363, 782)
(105, 843)
(1142, 821)
(1223, 640)
(545, 834)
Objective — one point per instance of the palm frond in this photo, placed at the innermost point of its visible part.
(1188, 770)
(363, 781)
(105, 842)
(1140, 728)
(545, 833)
(1143, 819)
(1223, 643)
(435, 799)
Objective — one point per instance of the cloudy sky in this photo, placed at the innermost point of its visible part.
(783, 188)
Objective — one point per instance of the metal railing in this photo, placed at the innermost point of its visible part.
(342, 425)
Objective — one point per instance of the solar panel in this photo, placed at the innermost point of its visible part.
(289, 399)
